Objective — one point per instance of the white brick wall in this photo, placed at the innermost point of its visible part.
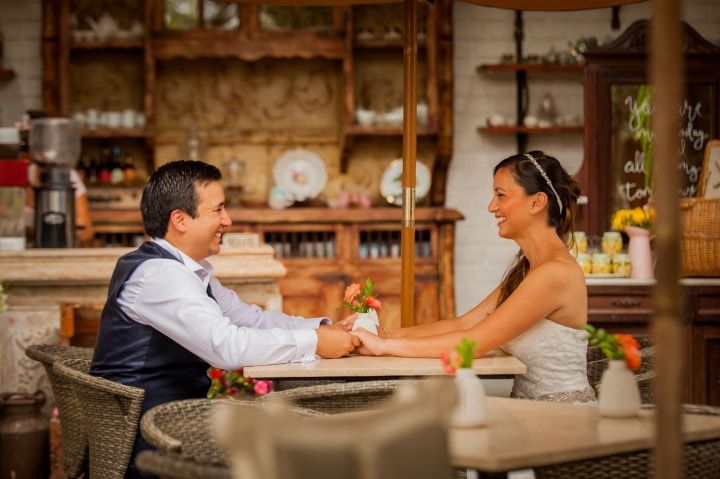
(20, 24)
(482, 35)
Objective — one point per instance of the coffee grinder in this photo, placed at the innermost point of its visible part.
(54, 146)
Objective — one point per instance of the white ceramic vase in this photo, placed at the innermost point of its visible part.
(619, 393)
(367, 321)
(471, 408)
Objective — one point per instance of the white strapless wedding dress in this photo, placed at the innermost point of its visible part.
(556, 360)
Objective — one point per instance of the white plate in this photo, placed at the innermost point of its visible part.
(391, 182)
(300, 172)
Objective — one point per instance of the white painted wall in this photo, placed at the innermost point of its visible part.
(21, 27)
(482, 35)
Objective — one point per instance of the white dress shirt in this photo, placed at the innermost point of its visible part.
(171, 296)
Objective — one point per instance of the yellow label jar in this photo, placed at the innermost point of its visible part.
(583, 260)
(601, 264)
(611, 243)
(580, 241)
(621, 264)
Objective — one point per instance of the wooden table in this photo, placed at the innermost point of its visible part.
(522, 434)
(495, 364)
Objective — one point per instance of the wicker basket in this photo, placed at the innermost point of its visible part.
(700, 249)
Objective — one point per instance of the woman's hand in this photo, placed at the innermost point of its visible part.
(345, 324)
(371, 345)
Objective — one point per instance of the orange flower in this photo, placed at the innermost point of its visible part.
(374, 303)
(351, 291)
(632, 356)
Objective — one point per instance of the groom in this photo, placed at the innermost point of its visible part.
(167, 319)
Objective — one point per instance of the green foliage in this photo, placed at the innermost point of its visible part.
(466, 350)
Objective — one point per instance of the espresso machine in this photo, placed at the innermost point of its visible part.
(54, 147)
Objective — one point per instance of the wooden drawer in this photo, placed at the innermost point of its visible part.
(620, 305)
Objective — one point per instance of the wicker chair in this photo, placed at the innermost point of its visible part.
(339, 397)
(597, 363)
(404, 438)
(180, 430)
(172, 466)
(74, 437)
(112, 413)
(702, 460)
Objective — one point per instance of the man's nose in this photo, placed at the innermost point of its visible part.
(225, 218)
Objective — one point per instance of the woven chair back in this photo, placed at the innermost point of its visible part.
(74, 437)
(112, 414)
(405, 437)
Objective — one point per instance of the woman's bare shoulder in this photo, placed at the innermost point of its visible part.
(560, 271)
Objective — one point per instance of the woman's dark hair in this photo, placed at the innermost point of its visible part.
(170, 188)
(528, 176)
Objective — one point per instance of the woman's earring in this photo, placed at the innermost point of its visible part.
(531, 211)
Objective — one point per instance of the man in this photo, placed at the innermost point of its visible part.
(167, 319)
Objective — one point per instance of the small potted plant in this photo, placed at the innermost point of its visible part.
(234, 384)
(362, 300)
(619, 393)
(470, 410)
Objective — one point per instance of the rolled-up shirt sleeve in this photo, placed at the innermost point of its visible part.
(172, 299)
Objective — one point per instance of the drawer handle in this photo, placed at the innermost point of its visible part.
(626, 303)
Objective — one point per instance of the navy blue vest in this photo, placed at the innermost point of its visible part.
(138, 355)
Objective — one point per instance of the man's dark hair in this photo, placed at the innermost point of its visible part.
(170, 188)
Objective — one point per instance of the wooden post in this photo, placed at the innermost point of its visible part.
(667, 75)
(407, 239)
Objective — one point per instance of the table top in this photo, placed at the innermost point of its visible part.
(495, 363)
(523, 433)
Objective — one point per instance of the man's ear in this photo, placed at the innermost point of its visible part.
(177, 220)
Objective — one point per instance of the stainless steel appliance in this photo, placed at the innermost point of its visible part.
(54, 146)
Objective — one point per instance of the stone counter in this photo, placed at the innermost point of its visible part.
(38, 281)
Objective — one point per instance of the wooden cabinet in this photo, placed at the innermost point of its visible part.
(628, 309)
(253, 81)
(325, 250)
(615, 174)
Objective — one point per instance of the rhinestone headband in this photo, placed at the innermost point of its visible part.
(545, 177)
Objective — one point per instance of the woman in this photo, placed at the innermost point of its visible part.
(539, 310)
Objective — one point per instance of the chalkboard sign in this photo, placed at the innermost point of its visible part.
(632, 140)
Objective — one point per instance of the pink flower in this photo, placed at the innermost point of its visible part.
(233, 391)
(351, 291)
(262, 387)
(454, 359)
(374, 302)
(445, 360)
(355, 302)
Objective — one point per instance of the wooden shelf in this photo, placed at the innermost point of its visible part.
(124, 43)
(116, 133)
(530, 67)
(512, 130)
(381, 43)
(6, 74)
(357, 130)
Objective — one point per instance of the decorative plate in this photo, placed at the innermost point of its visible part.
(391, 182)
(300, 172)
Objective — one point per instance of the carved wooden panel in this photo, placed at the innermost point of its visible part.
(231, 95)
(106, 81)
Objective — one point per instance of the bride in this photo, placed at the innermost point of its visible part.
(539, 310)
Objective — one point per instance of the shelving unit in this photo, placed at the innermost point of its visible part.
(521, 70)
(323, 249)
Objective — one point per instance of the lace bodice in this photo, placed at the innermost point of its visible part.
(555, 356)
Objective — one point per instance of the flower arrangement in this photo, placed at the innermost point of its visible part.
(615, 346)
(361, 299)
(460, 357)
(233, 384)
(3, 298)
(640, 217)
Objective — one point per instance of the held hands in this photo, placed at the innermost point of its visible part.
(372, 345)
(345, 324)
(334, 342)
